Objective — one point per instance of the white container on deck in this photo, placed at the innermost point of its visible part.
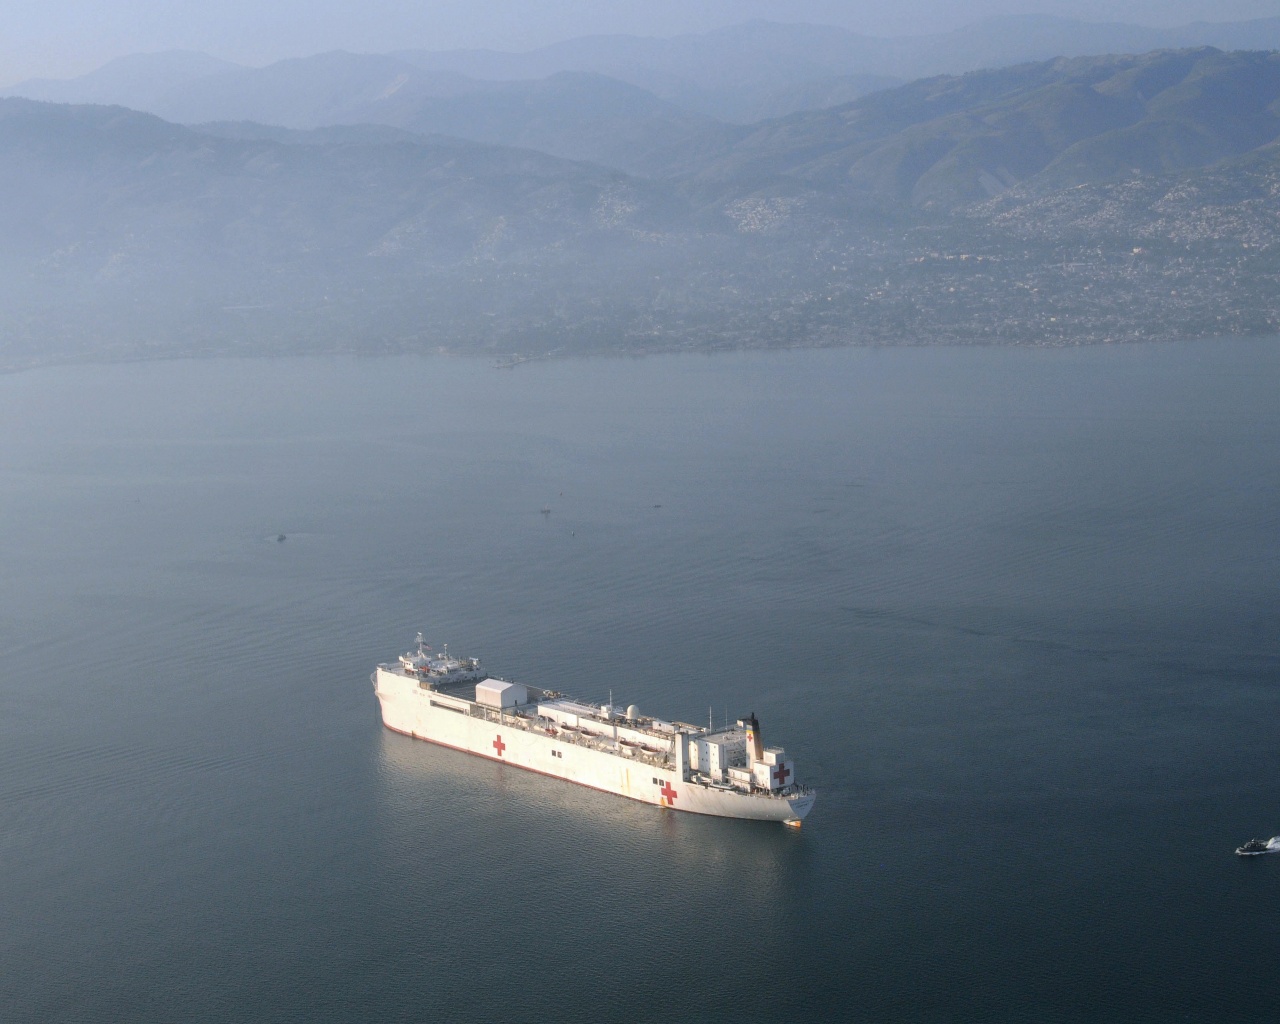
(496, 693)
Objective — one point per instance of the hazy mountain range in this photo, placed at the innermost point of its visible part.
(1067, 200)
(1071, 121)
(741, 74)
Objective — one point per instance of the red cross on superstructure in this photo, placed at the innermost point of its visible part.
(668, 793)
(498, 745)
(780, 775)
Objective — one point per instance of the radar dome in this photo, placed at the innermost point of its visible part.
(633, 712)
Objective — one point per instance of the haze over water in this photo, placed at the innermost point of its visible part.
(1013, 612)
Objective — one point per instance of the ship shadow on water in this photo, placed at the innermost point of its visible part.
(593, 880)
(470, 795)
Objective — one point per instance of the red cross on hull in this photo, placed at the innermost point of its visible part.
(498, 745)
(668, 794)
(781, 774)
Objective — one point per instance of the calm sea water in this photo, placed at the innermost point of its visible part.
(1015, 613)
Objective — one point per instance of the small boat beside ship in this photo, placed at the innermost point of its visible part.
(1257, 847)
(726, 772)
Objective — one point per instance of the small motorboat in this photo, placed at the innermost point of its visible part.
(1254, 847)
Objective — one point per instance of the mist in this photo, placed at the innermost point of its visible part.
(69, 37)
(1016, 181)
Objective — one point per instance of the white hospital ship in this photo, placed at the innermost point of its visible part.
(727, 772)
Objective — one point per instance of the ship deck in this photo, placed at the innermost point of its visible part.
(461, 697)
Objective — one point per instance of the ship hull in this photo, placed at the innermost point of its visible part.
(422, 714)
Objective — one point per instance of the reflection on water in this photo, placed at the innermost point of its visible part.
(427, 789)
(605, 895)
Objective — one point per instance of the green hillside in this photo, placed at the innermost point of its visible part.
(942, 142)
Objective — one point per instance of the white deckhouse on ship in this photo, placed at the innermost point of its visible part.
(727, 772)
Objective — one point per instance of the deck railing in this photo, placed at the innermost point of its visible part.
(550, 728)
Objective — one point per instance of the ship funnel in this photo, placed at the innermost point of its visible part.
(755, 745)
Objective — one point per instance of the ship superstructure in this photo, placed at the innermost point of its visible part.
(726, 772)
